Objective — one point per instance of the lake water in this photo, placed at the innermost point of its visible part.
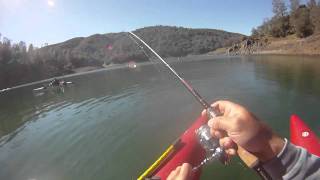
(113, 124)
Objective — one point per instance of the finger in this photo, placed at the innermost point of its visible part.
(215, 107)
(172, 175)
(220, 123)
(231, 152)
(185, 171)
(204, 112)
(227, 143)
(178, 169)
(217, 133)
(221, 106)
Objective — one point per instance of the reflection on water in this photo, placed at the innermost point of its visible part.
(294, 73)
(113, 124)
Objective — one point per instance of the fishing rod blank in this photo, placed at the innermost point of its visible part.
(177, 75)
(209, 143)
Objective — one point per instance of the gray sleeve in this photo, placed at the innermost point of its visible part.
(293, 162)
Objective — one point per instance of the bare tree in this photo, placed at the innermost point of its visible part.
(312, 4)
(279, 8)
(315, 15)
(294, 5)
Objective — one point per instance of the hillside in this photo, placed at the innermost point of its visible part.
(18, 66)
(292, 45)
(119, 48)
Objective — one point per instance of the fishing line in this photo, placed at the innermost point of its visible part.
(177, 75)
(151, 57)
(210, 144)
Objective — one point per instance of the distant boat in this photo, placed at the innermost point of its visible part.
(132, 64)
(51, 86)
(4, 90)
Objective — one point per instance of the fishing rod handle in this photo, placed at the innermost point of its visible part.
(248, 158)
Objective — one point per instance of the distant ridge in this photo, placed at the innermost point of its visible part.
(19, 66)
(168, 41)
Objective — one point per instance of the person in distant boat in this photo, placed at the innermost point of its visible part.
(277, 156)
(54, 82)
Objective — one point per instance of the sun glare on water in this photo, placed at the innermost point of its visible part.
(51, 3)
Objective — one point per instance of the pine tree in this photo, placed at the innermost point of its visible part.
(30, 48)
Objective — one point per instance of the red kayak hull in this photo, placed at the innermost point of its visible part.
(189, 152)
(301, 135)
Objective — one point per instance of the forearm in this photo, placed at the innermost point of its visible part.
(293, 163)
(273, 146)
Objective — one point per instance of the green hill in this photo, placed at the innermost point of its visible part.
(17, 65)
(119, 48)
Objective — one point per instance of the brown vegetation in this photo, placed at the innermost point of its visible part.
(288, 32)
(302, 20)
(292, 45)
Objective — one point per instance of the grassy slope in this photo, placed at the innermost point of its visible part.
(292, 45)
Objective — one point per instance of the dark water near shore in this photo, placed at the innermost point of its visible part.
(113, 124)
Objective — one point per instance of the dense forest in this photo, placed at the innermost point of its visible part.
(19, 64)
(296, 18)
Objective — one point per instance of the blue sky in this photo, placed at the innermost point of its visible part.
(53, 21)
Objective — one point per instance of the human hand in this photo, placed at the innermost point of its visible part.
(182, 172)
(238, 127)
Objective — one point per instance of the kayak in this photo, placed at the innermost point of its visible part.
(301, 135)
(64, 83)
(186, 149)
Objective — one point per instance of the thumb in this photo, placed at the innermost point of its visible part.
(220, 123)
(185, 171)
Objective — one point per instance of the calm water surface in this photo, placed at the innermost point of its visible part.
(113, 124)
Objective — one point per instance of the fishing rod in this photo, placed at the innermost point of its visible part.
(177, 75)
(210, 144)
(213, 150)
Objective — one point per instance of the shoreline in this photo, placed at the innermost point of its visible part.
(290, 45)
(190, 58)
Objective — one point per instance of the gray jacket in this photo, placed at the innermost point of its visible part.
(293, 162)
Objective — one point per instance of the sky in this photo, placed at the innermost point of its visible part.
(54, 21)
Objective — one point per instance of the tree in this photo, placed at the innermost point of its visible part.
(312, 4)
(279, 8)
(280, 27)
(301, 22)
(294, 5)
(5, 51)
(315, 15)
(6, 41)
(30, 48)
(22, 47)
